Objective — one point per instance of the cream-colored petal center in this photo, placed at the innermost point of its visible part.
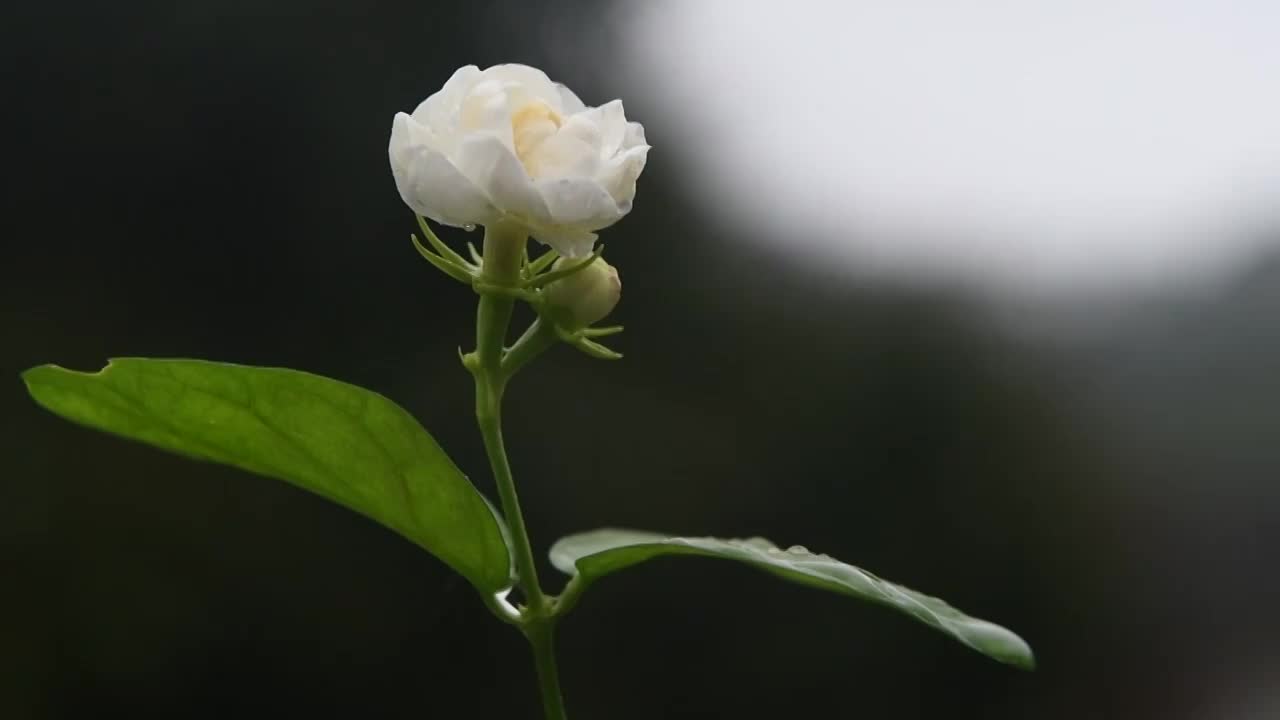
(531, 125)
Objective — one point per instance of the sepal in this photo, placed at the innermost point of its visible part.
(581, 340)
(463, 273)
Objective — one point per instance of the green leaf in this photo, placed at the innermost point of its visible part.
(594, 554)
(350, 445)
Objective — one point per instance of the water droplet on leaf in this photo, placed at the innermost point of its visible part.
(469, 227)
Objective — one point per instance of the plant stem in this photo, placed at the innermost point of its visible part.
(544, 659)
(539, 337)
(503, 253)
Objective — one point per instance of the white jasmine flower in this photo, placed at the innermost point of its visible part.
(508, 144)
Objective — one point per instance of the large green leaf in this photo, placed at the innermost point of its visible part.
(350, 445)
(594, 554)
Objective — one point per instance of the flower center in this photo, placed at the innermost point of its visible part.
(530, 126)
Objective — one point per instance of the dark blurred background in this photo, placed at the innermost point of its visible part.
(209, 179)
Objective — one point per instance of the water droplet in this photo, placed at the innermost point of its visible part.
(798, 550)
(469, 227)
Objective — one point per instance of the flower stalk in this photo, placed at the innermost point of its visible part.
(503, 256)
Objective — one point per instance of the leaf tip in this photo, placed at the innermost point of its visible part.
(32, 374)
(1000, 643)
(1024, 658)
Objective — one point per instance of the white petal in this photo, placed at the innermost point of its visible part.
(620, 173)
(634, 136)
(429, 184)
(573, 151)
(407, 132)
(494, 168)
(569, 102)
(579, 202)
(612, 123)
(569, 242)
(532, 80)
(437, 112)
(486, 109)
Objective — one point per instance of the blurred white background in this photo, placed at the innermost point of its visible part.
(1051, 147)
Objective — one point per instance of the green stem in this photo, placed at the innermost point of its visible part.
(544, 658)
(491, 430)
(538, 338)
(503, 254)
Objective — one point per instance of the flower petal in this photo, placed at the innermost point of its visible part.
(438, 110)
(494, 168)
(569, 242)
(620, 173)
(634, 136)
(569, 102)
(579, 202)
(572, 151)
(611, 120)
(487, 109)
(531, 80)
(407, 132)
(429, 184)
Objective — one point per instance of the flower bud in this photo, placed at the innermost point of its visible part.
(585, 297)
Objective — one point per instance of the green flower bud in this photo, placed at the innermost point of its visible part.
(585, 297)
